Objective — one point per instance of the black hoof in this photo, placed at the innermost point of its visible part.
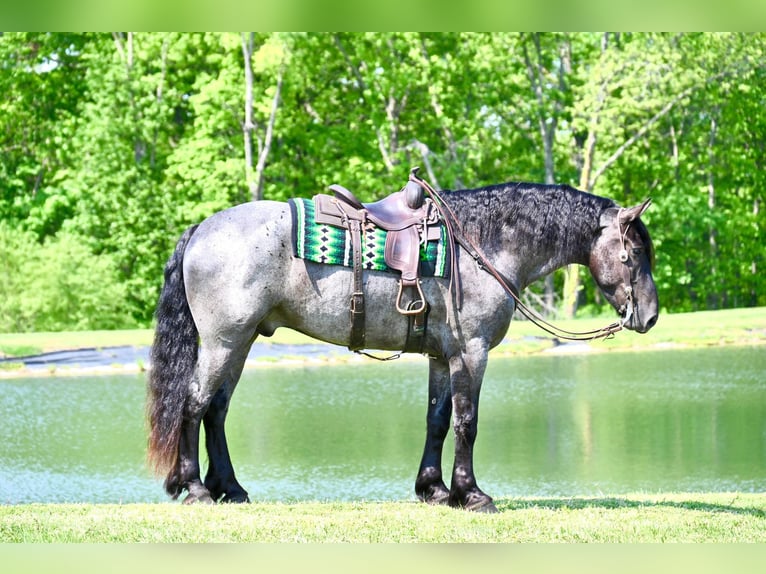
(475, 502)
(235, 498)
(487, 507)
(437, 498)
(198, 494)
(434, 494)
(198, 499)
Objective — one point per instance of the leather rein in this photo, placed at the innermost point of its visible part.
(455, 232)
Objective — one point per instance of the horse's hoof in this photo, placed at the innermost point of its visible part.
(198, 499)
(435, 495)
(477, 502)
(487, 507)
(438, 498)
(235, 498)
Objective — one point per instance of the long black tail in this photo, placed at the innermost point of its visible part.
(172, 360)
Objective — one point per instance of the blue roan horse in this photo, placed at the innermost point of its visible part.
(234, 277)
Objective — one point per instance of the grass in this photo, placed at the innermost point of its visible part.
(700, 329)
(633, 518)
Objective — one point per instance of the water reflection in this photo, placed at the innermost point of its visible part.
(549, 426)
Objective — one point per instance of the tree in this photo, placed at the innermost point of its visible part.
(42, 83)
(119, 141)
(270, 52)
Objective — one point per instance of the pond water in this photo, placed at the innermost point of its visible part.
(613, 423)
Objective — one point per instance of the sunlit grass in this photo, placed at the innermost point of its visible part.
(704, 328)
(679, 517)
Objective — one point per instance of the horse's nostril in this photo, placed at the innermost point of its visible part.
(651, 322)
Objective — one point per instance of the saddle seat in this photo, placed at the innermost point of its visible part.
(407, 217)
(394, 212)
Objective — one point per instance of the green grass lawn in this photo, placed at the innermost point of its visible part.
(632, 518)
(703, 328)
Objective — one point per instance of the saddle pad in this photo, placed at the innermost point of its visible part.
(322, 243)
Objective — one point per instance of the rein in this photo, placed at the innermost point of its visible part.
(455, 233)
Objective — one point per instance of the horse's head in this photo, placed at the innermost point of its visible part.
(621, 261)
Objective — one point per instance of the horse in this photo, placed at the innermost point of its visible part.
(234, 277)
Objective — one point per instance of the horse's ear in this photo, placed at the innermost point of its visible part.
(607, 217)
(632, 213)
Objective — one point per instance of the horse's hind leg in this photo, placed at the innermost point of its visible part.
(220, 480)
(429, 485)
(218, 366)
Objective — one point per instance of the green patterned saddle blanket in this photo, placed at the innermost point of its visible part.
(324, 243)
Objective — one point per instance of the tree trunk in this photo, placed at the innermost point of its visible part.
(385, 147)
(753, 264)
(714, 299)
(572, 272)
(267, 139)
(248, 126)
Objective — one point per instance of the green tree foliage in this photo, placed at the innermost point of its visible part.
(41, 80)
(58, 285)
(111, 144)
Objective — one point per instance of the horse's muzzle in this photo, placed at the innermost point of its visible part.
(641, 324)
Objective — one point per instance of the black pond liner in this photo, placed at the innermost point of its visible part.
(94, 357)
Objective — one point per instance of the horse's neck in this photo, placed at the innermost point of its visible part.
(542, 262)
(539, 231)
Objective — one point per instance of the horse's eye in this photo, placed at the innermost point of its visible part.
(637, 251)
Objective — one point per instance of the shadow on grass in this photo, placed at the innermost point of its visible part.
(506, 505)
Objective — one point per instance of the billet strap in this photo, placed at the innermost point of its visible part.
(416, 329)
(357, 337)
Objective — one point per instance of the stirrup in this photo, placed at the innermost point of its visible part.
(415, 307)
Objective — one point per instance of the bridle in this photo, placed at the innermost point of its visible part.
(455, 234)
(625, 310)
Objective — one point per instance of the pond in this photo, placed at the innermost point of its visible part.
(591, 424)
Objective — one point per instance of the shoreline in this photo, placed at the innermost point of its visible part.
(92, 353)
(265, 356)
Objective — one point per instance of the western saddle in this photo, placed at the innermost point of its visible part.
(410, 219)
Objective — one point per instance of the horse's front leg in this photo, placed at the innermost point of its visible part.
(429, 485)
(467, 372)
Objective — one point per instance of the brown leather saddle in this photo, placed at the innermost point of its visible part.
(409, 218)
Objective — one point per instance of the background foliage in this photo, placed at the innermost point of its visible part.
(111, 144)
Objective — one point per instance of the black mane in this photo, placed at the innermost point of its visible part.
(545, 214)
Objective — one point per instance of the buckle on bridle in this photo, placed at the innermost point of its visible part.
(623, 255)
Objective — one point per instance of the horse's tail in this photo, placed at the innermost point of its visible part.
(172, 359)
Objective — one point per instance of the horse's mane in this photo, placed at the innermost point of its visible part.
(545, 214)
